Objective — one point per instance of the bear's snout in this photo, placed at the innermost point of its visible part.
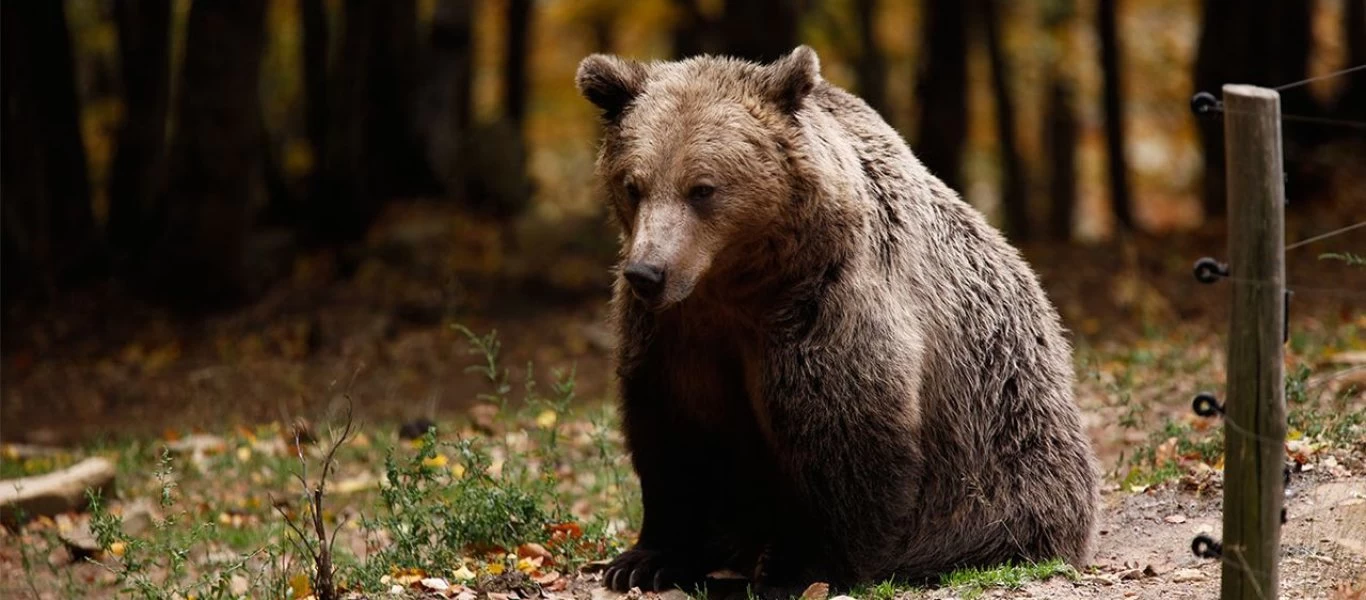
(647, 281)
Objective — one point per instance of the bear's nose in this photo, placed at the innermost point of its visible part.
(647, 281)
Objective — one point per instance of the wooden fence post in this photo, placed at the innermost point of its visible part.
(1254, 422)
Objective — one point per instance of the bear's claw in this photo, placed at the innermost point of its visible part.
(649, 570)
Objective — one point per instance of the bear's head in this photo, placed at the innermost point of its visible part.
(695, 161)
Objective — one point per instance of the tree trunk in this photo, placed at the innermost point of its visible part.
(49, 224)
(448, 108)
(216, 178)
(371, 152)
(872, 65)
(137, 185)
(1114, 114)
(693, 32)
(760, 30)
(602, 26)
(1259, 42)
(941, 91)
(315, 44)
(1062, 159)
(23, 188)
(1215, 49)
(1351, 105)
(519, 15)
(351, 192)
(395, 83)
(1014, 196)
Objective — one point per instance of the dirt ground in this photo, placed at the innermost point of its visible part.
(1143, 547)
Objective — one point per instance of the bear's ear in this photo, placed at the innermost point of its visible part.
(610, 82)
(792, 77)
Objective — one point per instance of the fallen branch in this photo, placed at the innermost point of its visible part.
(54, 493)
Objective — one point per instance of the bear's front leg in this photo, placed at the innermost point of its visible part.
(786, 569)
(841, 422)
(669, 552)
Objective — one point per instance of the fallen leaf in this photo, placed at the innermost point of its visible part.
(529, 565)
(816, 591)
(533, 550)
(1165, 452)
(1187, 576)
(300, 586)
(1100, 579)
(1175, 519)
(1130, 574)
(546, 578)
(1154, 570)
(546, 419)
(355, 484)
(435, 583)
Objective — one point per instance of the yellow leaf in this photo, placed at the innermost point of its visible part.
(300, 586)
(243, 454)
(117, 549)
(495, 568)
(527, 565)
(457, 470)
(546, 419)
(435, 462)
(462, 574)
(1294, 434)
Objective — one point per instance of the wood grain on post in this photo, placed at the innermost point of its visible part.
(1254, 426)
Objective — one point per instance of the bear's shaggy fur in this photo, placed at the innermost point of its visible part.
(831, 367)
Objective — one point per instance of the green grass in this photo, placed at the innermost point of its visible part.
(970, 583)
(455, 501)
(459, 502)
(886, 590)
(1176, 444)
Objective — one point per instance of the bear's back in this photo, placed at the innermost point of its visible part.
(993, 339)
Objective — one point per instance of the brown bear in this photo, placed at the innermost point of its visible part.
(831, 367)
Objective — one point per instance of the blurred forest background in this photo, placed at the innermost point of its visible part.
(240, 204)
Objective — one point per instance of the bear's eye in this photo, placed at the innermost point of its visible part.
(633, 191)
(699, 193)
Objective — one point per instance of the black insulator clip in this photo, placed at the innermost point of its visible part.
(1206, 405)
(1208, 270)
(1204, 546)
(1204, 104)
